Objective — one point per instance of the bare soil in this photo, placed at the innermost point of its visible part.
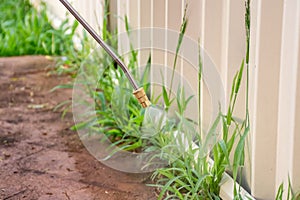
(40, 157)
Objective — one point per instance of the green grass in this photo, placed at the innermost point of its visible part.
(26, 31)
(189, 175)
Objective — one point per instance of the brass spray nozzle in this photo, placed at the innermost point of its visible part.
(142, 97)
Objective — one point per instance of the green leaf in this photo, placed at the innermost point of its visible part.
(133, 146)
(62, 86)
(212, 131)
(225, 151)
(279, 192)
(146, 73)
(165, 97)
(127, 27)
(239, 78)
(239, 153)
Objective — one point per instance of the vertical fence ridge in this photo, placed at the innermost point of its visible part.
(288, 94)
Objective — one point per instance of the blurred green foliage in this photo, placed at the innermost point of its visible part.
(26, 31)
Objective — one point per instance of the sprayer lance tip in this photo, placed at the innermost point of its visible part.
(142, 97)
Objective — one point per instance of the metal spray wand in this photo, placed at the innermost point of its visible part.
(138, 92)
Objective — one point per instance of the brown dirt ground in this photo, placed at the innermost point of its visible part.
(40, 157)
